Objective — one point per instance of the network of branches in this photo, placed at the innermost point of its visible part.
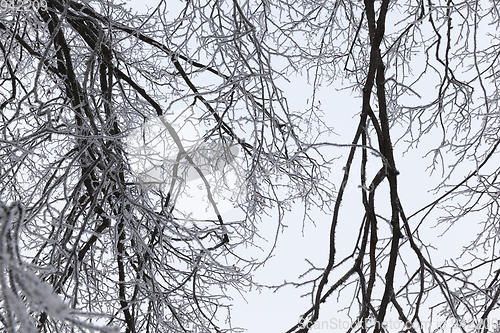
(83, 247)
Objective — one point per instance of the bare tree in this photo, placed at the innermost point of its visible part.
(79, 78)
(426, 69)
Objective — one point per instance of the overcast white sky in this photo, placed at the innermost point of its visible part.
(266, 311)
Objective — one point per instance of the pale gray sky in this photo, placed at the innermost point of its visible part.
(266, 311)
